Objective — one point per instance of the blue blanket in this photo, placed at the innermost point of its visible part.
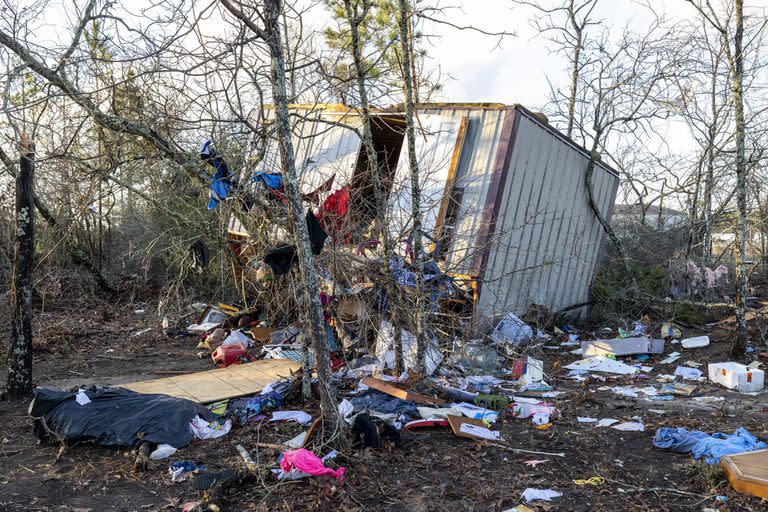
(708, 447)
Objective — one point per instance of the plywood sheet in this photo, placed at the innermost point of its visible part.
(221, 383)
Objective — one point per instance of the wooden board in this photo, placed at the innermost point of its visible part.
(221, 383)
(747, 472)
(386, 387)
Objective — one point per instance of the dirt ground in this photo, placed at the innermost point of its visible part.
(432, 471)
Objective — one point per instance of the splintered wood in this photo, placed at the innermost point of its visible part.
(221, 383)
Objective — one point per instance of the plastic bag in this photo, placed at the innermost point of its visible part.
(512, 330)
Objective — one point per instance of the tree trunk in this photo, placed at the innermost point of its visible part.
(316, 322)
(710, 174)
(413, 164)
(575, 69)
(380, 199)
(20, 353)
(694, 235)
(742, 276)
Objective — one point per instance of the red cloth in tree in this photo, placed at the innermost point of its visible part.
(333, 214)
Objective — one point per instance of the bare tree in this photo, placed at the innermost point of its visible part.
(271, 35)
(569, 37)
(730, 25)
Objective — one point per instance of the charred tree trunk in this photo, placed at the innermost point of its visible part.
(413, 165)
(272, 37)
(742, 276)
(355, 18)
(20, 353)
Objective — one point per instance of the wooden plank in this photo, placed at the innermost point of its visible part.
(747, 472)
(221, 383)
(386, 387)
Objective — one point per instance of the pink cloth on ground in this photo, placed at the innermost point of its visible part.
(308, 462)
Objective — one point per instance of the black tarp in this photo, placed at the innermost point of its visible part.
(114, 417)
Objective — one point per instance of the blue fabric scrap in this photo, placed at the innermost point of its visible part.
(704, 446)
(222, 180)
(270, 180)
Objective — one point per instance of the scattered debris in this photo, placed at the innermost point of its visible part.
(671, 358)
(688, 373)
(603, 364)
(180, 470)
(737, 376)
(512, 330)
(622, 347)
(697, 342)
(391, 390)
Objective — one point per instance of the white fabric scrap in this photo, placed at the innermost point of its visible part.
(345, 410)
(531, 494)
(203, 430)
(299, 417)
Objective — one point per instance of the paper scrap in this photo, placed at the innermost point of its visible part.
(602, 364)
(671, 358)
(82, 398)
(688, 373)
(630, 426)
(481, 432)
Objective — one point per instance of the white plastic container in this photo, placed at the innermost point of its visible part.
(736, 376)
(697, 342)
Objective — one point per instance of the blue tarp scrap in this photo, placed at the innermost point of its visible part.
(222, 180)
(270, 180)
(703, 445)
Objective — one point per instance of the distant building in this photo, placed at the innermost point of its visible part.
(625, 215)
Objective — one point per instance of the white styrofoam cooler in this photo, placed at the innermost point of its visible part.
(737, 376)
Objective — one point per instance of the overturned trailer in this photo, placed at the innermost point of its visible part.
(504, 199)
